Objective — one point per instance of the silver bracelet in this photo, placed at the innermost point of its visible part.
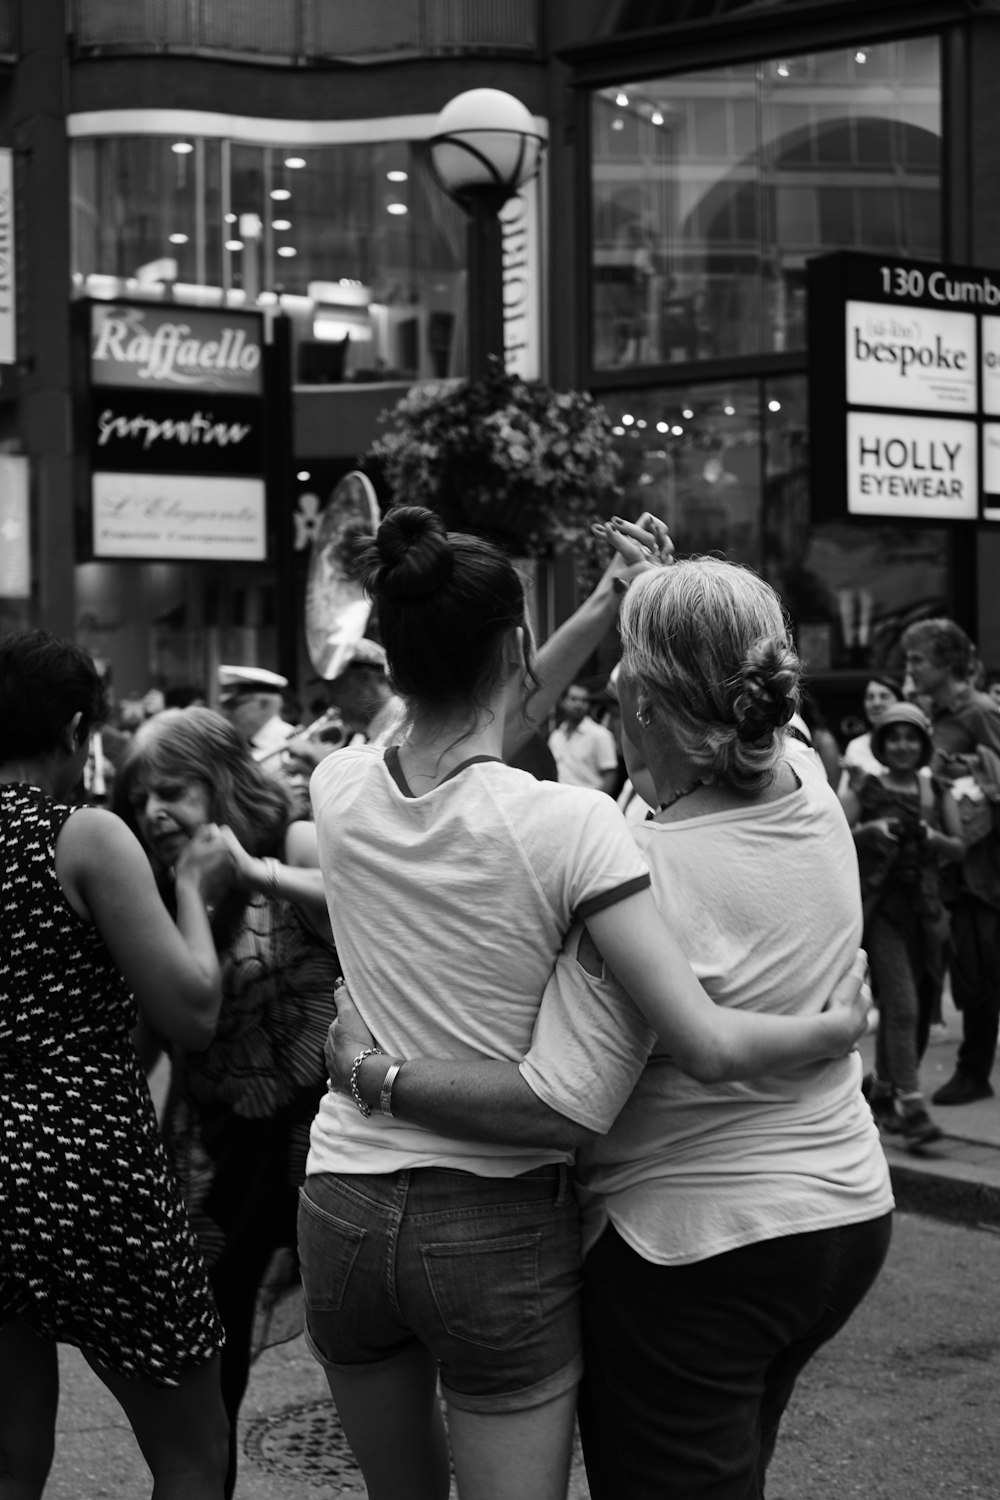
(271, 878)
(365, 1109)
(385, 1097)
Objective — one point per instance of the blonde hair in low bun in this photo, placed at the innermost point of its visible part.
(707, 644)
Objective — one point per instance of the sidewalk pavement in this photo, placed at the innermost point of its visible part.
(292, 1446)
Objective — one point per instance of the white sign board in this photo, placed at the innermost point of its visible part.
(926, 465)
(15, 537)
(991, 471)
(179, 516)
(911, 357)
(8, 325)
(990, 365)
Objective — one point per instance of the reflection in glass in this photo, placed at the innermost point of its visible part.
(364, 251)
(711, 191)
(727, 468)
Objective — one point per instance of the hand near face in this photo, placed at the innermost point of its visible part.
(206, 859)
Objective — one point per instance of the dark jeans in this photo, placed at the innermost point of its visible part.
(975, 983)
(688, 1369)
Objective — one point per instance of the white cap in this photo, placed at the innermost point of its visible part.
(235, 680)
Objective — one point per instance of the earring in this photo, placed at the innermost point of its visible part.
(643, 721)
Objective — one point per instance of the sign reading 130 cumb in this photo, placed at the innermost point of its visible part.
(904, 379)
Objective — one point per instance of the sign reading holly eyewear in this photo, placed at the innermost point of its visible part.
(175, 348)
(897, 424)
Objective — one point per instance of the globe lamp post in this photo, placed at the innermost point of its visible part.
(484, 147)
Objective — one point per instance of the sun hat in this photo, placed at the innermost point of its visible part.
(902, 713)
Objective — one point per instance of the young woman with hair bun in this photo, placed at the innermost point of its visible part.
(438, 1229)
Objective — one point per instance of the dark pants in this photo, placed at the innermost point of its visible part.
(975, 983)
(688, 1369)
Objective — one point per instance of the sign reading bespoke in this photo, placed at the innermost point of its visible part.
(176, 348)
(175, 433)
(897, 425)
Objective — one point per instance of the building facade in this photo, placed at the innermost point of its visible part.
(193, 182)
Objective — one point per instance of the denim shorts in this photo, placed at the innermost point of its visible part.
(482, 1271)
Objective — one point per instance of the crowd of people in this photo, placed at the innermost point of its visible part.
(548, 1109)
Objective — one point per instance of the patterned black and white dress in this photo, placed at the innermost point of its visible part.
(95, 1246)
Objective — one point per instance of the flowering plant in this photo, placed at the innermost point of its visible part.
(530, 466)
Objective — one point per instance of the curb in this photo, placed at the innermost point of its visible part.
(961, 1191)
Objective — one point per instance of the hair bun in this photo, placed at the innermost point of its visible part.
(766, 699)
(412, 558)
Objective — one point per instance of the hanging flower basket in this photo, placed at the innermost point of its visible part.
(515, 460)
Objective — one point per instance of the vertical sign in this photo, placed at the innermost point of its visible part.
(15, 538)
(8, 331)
(521, 279)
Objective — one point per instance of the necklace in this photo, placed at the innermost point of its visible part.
(685, 791)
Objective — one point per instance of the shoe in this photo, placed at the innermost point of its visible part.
(962, 1088)
(884, 1113)
(917, 1128)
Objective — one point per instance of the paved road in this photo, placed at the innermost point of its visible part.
(901, 1407)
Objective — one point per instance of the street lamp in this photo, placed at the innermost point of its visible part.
(484, 147)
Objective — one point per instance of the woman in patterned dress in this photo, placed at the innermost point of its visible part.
(96, 1249)
(238, 1113)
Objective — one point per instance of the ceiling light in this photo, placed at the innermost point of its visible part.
(687, 413)
(178, 239)
(677, 431)
(662, 427)
(234, 244)
(860, 57)
(303, 474)
(656, 118)
(627, 420)
(730, 411)
(774, 406)
(281, 224)
(230, 218)
(295, 162)
(622, 101)
(783, 70)
(617, 123)
(398, 175)
(396, 208)
(287, 250)
(182, 147)
(280, 194)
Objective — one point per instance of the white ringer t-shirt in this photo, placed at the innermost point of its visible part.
(448, 911)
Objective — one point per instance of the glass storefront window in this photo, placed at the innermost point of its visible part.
(711, 191)
(727, 467)
(365, 252)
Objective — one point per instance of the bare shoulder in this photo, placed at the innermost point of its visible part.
(94, 836)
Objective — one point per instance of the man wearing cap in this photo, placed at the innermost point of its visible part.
(941, 660)
(251, 699)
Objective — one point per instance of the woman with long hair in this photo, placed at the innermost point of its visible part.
(237, 1116)
(453, 881)
(96, 1249)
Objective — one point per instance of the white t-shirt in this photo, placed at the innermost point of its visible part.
(448, 911)
(765, 902)
(584, 753)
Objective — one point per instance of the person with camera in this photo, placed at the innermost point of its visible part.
(906, 827)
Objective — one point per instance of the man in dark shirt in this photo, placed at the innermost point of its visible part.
(940, 660)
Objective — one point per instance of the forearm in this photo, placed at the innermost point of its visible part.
(476, 1100)
(302, 885)
(560, 659)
